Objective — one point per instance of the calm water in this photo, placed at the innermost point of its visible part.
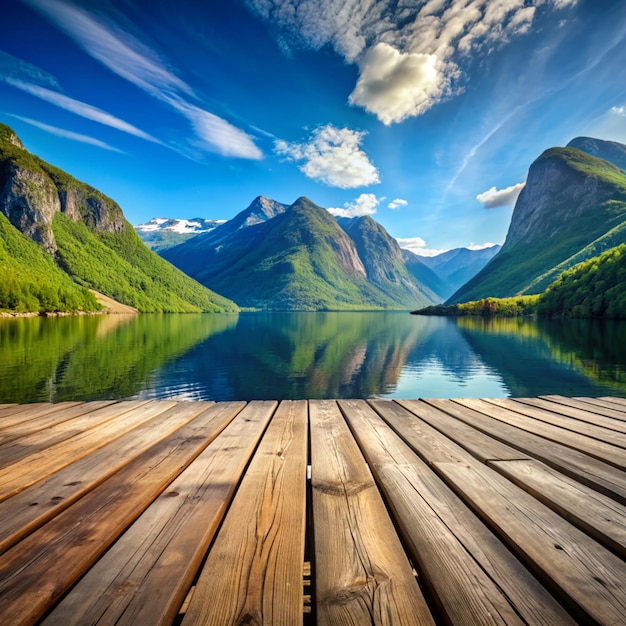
(306, 355)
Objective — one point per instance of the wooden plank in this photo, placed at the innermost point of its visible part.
(432, 422)
(57, 427)
(31, 508)
(588, 470)
(517, 415)
(36, 467)
(586, 576)
(254, 571)
(616, 414)
(145, 576)
(474, 576)
(597, 515)
(584, 421)
(616, 409)
(615, 399)
(24, 412)
(47, 421)
(361, 571)
(36, 572)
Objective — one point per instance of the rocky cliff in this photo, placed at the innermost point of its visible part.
(572, 208)
(32, 192)
(87, 237)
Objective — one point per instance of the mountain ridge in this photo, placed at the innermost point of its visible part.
(87, 236)
(573, 206)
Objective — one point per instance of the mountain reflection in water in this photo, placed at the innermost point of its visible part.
(306, 355)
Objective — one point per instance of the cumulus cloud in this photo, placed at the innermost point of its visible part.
(397, 203)
(333, 156)
(67, 134)
(621, 110)
(365, 204)
(418, 246)
(494, 198)
(410, 54)
(132, 60)
(394, 86)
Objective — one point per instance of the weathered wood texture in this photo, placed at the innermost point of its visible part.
(463, 512)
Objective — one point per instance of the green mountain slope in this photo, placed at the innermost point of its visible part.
(610, 151)
(594, 288)
(572, 207)
(298, 260)
(87, 235)
(385, 264)
(31, 281)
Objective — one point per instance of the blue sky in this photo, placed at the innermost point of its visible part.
(425, 114)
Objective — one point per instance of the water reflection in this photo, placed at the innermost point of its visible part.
(306, 355)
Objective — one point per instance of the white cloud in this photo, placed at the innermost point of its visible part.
(481, 246)
(418, 246)
(494, 198)
(411, 243)
(130, 59)
(68, 134)
(621, 111)
(365, 204)
(394, 86)
(397, 203)
(333, 156)
(79, 108)
(409, 53)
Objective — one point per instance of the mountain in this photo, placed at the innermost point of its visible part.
(87, 236)
(573, 207)
(162, 232)
(297, 258)
(456, 267)
(190, 257)
(610, 151)
(385, 265)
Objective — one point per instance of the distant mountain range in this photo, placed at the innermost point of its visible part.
(162, 232)
(402, 276)
(572, 208)
(298, 257)
(62, 236)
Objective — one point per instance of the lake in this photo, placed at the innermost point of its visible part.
(306, 355)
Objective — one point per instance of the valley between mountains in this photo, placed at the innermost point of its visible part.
(61, 239)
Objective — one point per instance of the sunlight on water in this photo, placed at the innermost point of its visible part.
(432, 380)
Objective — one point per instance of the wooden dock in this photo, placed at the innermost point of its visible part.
(470, 512)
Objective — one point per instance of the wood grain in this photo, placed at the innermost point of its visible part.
(36, 572)
(254, 571)
(23, 513)
(474, 577)
(588, 470)
(362, 573)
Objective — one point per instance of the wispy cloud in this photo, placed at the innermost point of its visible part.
(18, 69)
(132, 60)
(494, 198)
(333, 156)
(67, 134)
(410, 55)
(365, 204)
(79, 108)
